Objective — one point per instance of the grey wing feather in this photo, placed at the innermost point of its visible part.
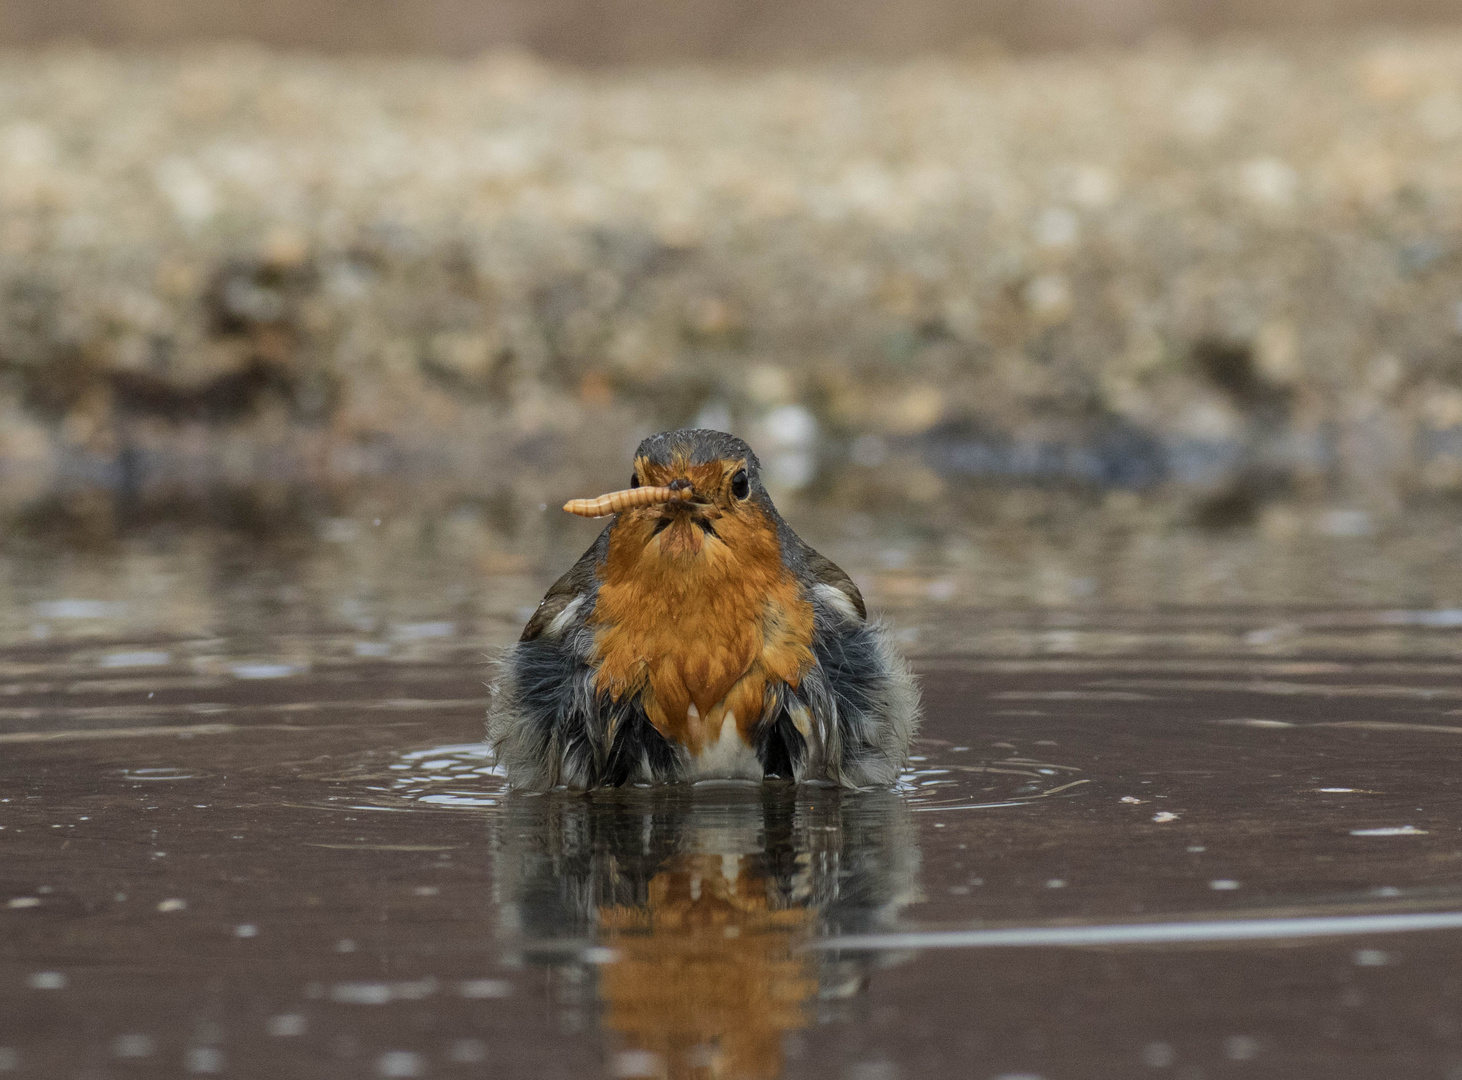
(538, 717)
(576, 583)
(860, 701)
(815, 569)
(826, 572)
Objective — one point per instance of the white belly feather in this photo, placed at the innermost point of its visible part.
(728, 758)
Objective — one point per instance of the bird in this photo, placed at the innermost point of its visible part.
(700, 638)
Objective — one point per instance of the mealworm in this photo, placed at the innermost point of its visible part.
(627, 499)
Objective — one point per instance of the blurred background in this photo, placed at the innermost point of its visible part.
(662, 31)
(1060, 303)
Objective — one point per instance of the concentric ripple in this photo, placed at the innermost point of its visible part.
(464, 776)
(946, 778)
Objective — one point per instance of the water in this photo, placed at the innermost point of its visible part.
(1190, 841)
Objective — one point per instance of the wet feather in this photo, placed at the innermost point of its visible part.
(683, 619)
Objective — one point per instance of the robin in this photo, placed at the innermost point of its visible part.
(700, 638)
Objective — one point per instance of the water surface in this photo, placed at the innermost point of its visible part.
(249, 829)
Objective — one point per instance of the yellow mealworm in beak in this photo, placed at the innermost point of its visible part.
(628, 499)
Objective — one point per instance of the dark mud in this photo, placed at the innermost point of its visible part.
(1154, 851)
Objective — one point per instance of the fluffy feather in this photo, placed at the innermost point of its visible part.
(674, 624)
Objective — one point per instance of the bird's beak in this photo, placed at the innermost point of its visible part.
(628, 499)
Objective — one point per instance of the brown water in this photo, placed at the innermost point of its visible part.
(1189, 841)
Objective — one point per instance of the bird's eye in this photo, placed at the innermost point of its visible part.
(741, 484)
(634, 480)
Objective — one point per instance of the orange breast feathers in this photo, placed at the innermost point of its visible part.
(699, 624)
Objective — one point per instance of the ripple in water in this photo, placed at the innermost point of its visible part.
(464, 776)
(460, 775)
(159, 774)
(946, 779)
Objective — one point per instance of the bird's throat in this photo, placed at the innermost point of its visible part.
(697, 625)
(681, 538)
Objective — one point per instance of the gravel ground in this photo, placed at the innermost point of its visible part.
(1229, 268)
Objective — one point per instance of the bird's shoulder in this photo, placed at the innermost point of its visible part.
(575, 587)
(821, 575)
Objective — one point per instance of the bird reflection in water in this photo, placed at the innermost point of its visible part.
(687, 912)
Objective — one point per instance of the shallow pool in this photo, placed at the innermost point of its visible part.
(1186, 842)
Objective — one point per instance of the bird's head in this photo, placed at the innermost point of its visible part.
(693, 492)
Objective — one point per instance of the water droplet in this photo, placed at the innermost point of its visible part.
(467, 1052)
(203, 1059)
(1159, 1055)
(132, 1046)
(400, 1063)
(285, 1025)
(1240, 1047)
